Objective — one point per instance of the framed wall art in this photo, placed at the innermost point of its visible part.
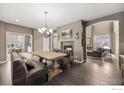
(67, 34)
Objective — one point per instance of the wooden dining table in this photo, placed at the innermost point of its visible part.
(51, 56)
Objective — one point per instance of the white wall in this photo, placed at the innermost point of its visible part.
(115, 56)
(5, 73)
(116, 31)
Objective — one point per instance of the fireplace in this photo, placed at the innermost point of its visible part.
(69, 49)
(68, 45)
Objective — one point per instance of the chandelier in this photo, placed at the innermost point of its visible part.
(46, 31)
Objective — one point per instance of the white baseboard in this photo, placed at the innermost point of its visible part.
(2, 62)
(82, 61)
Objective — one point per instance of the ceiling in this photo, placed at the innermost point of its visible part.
(32, 15)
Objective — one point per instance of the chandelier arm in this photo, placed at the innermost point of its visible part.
(46, 18)
(46, 31)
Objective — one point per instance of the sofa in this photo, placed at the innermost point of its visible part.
(95, 52)
(28, 70)
(98, 52)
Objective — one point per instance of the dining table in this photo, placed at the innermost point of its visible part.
(49, 55)
(52, 57)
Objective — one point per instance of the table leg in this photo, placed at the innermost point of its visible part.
(40, 59)
(47, 76)
(62, 65)
(54, 66)
(46, 62)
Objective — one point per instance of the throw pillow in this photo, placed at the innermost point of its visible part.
(29, 65)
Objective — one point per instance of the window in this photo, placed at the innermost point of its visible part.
(18, 40)
(102, 41)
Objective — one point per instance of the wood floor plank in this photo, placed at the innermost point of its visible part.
(93, 72)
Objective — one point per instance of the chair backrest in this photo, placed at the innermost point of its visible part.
(55, 50)
(65, 51)
(69, 53)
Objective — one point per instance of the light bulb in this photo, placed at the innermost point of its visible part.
(48, 33)
(51, 31)
(39, 30)
(17, 20)
(43, 29)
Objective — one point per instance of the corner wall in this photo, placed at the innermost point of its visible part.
(2, 42)
(75, 27)
(7, 27)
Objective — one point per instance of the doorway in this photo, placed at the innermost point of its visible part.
(103, 36)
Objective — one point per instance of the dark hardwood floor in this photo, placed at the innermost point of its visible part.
(93, 72)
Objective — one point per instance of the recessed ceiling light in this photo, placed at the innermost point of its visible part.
(17, 20)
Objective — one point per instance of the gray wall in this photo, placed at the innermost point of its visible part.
(89, 36)
(102, 28)
(38, 41)
(6, 27)
(75, 27)
(2, 42)
(118, 16)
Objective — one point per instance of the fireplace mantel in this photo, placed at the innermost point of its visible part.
(67, 40)
(67, 43)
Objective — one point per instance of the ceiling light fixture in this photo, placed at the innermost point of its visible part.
(17, 20)
(46, 31)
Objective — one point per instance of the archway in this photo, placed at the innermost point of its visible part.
(103, 34)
